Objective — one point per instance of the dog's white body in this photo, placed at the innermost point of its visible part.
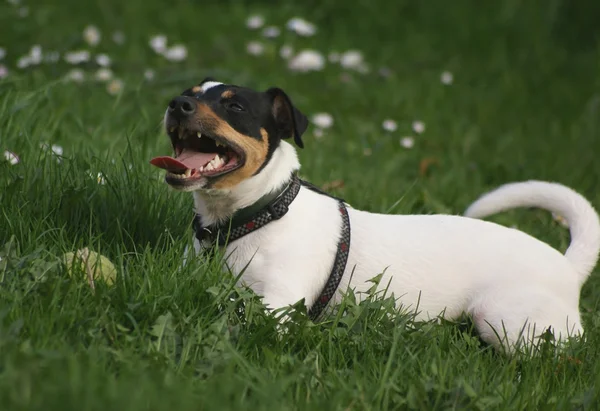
(508, 281)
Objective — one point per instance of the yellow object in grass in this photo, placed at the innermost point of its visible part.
(93, 265)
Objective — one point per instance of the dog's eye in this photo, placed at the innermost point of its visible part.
(235, 107)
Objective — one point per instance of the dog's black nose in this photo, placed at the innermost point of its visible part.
(182, 107)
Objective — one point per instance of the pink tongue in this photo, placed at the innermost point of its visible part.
(187, 159)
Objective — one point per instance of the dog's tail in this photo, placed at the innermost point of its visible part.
(581, 217)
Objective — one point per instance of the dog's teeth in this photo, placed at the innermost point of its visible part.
(199, 134)
(188, 172)
(201, 169)
(209, 167)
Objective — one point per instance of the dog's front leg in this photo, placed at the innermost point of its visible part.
(278, 303)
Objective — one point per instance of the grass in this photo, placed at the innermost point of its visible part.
(524, 105)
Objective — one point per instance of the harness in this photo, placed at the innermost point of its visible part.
(270, 208)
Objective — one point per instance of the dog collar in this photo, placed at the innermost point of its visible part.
(272, 207)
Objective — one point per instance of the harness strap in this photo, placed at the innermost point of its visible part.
(244, 223)
(337, 271)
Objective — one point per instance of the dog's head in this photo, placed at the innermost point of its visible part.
(223, 134)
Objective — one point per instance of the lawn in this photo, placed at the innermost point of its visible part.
(472, 95)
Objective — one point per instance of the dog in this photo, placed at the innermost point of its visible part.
(295, 242)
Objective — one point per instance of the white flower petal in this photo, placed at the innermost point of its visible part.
(322, 120)
(91, 35)
(307, 60)
(389, 125)
(35, 54)
(24, 62)
(255, 22)
(286, 51)
(352, 59)
(100, 178)
(177, 52)
(255, 48)
(407, 142)
(77, 57)
(418, 127)
(11, 157)
(76, 75)
(56, 149)
(301, 27)
(158, 43)
(447, 78)
(103, 60)
(318, 133)
(104, 74)
(114, 87)
(271, 32)
(3, 72)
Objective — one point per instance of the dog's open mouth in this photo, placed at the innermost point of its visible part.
(197, 155)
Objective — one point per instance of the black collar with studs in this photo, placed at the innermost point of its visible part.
(272, 207)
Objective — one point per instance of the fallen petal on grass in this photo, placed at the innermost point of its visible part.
(11, 157)
(351, 59)
(322, 120)
(255, 48)
(91, 35)
(447, 78)
(77, 56)
(75, 75)
(255, 22)
(407, 142)
(286, 51)
(418, 127)
(307, 60)
(301, 27)
(271, 32)
(114, 87)
(104, 74)
(103, 60)
(158, 43)
(177, 52)
(389, 125)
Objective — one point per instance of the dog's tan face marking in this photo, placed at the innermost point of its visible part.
(228, 94)
(255, 151)
(196, 89)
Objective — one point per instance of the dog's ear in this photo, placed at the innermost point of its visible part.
(289, 120)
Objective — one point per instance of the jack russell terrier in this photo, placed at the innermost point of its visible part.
(290, 241)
